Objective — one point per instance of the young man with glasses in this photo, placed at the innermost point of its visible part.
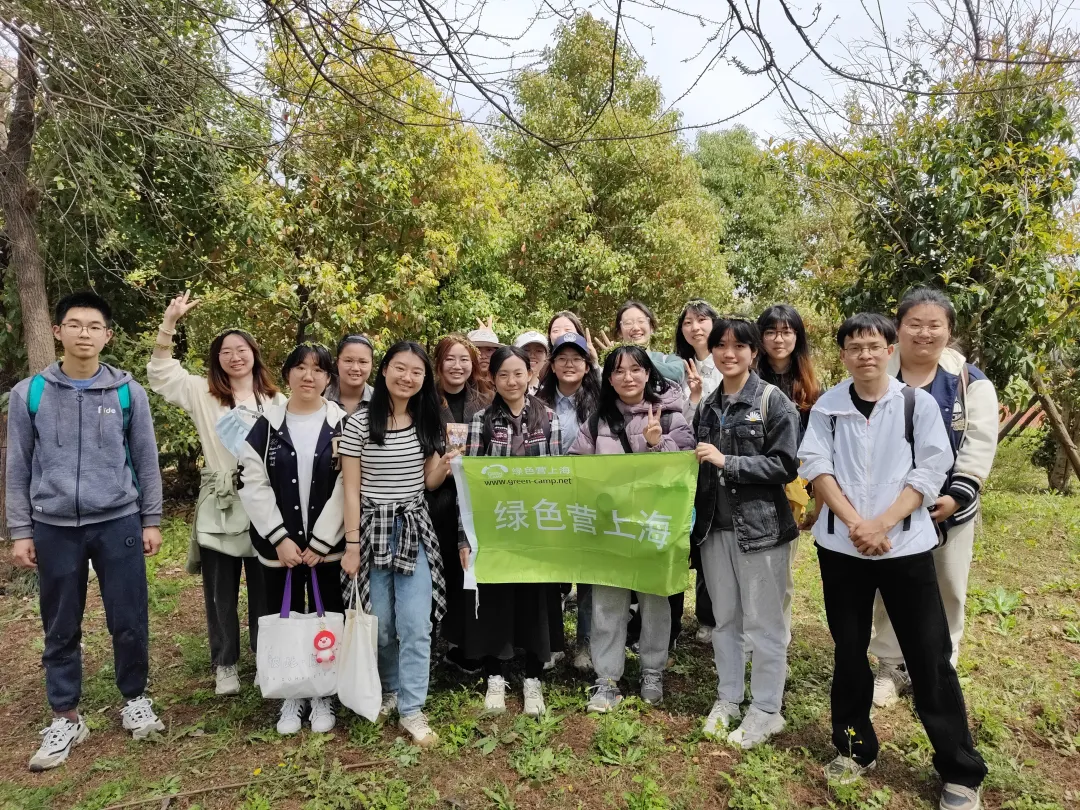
(877, 454)
(84, 485)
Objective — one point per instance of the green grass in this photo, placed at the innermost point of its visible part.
(1019, 668)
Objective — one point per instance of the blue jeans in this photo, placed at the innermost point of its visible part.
(63, 554)
(402, 604)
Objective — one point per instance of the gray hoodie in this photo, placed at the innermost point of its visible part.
(68, 466)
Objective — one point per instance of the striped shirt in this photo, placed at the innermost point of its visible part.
(390, 472)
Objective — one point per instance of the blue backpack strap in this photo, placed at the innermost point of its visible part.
(123, 393)
(33, 398)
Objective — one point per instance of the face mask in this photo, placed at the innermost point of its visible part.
(233, 427)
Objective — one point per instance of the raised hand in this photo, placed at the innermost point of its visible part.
(178, 308)
(693, 380)
(653, 431)
(592, 347)
(603, 341)
(488, 324)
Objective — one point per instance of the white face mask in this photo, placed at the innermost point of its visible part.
(232, 428)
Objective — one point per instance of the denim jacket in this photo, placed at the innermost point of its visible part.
(759, 461)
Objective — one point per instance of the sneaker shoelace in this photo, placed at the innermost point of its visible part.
(496, 687)
(418, 726)
(227, 672)
(842, 766)
(652, 680)
(138, 711)
(321, 707)
(292, 708)
(532, 688)
(54, 736)
(604, 691)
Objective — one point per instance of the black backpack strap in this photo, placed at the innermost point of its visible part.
(832, 518)
(909, 432)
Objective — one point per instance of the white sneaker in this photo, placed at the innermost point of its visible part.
(139, 718)
(958, 797)
(495, 699)
(723, 714)
(388, 706)
(322, 715)
(227, 681)
(552, 662)
(583, 661)
(756, 728)
(417, 726)
(534, 697)
(890, 682)
(289, 719)
(846, 771)
(59, 738)
(703, 634)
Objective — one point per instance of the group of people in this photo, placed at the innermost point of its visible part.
(347, 481)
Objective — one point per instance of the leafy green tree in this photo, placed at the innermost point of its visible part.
(623, 212)
(965, 192)
(763, 210)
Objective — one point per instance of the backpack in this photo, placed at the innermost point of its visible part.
(33, 403)
(594, 428)
(909, 434)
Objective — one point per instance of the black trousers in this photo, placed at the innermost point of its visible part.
(221, 593)
(910, 593)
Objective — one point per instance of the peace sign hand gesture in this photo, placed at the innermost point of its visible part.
(592, 346)
(488, 324)
(693, 380)
(653, 433)
(603, 341)
(178, 308)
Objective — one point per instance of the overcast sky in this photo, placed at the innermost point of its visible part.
(676, 49)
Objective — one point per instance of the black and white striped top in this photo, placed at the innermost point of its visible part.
(390, 472)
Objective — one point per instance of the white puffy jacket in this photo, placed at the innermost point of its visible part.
(871, 461)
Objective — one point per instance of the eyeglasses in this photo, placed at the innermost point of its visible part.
(73, 329)
(779, 334)
(873, 351)
(569, 360)
(225, 354)
(918, 328)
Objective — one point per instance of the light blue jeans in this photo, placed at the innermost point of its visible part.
(402, 604)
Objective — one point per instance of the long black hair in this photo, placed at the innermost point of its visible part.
(805, 389)
(682, 345)
(423, 405)
(536, 410)
(655, 386)
(588, 395)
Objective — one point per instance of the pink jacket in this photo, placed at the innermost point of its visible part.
(680, 436)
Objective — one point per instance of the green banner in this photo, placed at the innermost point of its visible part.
(620, 520)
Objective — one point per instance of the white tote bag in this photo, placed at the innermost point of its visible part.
(359, 687)
(291, 646)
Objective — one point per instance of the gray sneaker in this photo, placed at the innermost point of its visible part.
(605, 696)
(652, 686)
(958, 797)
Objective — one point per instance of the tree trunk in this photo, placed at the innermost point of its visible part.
(1058, 425)
(1060, 473)
(19, 204)
(1016, 417)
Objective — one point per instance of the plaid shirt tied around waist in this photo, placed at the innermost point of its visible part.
(378, 522)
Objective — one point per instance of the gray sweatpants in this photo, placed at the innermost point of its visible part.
(607, 642)
(748, 593)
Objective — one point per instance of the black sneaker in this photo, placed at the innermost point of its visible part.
(456, 658)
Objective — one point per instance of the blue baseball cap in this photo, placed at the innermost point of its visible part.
(570, 339)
